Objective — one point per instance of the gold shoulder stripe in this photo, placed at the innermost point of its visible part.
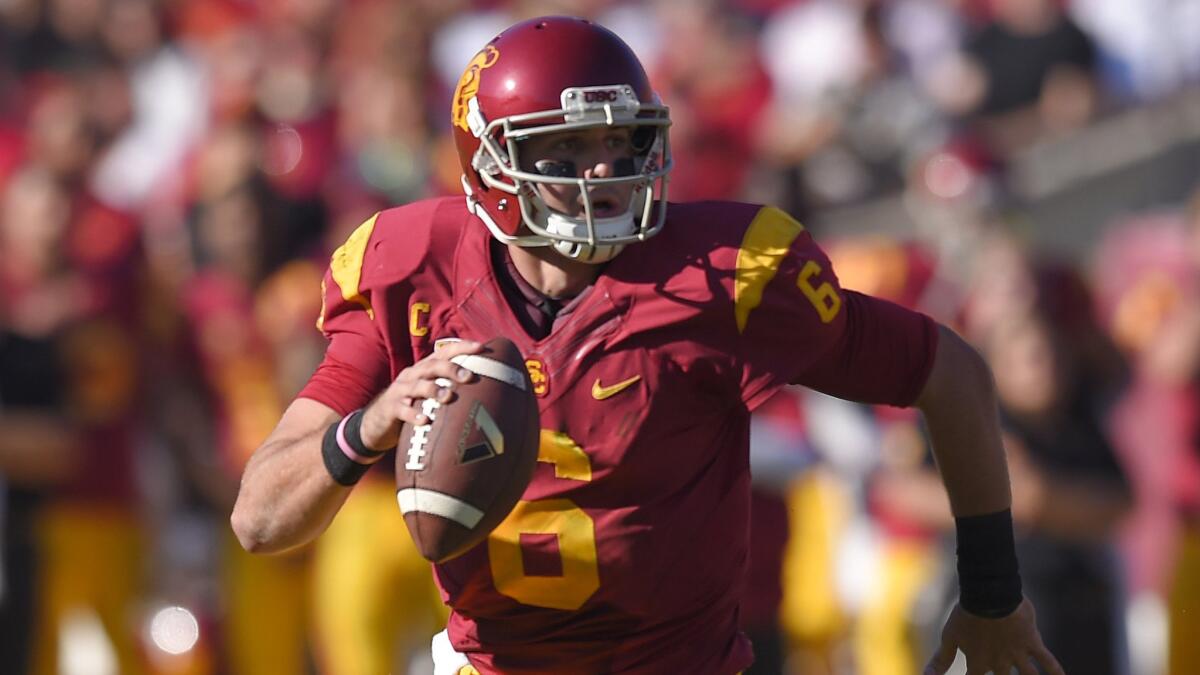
(764, 245)
(346, 264)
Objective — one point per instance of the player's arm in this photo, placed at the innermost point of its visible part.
(882, 350)
(959, 404)
(297, 480)
(286, 497)
(352, 409)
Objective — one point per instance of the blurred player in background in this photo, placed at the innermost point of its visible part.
(1150, 278)
(69, 294)
(651, 331)
(40, 446)
(239, 327)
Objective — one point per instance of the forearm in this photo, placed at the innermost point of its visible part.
(959, 404)
(294, 485)
(287, 497)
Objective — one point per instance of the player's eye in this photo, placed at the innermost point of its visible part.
(617, 141)
(566, 145)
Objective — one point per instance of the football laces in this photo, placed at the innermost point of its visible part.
(420, 435)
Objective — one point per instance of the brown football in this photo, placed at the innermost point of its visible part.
(460, 475)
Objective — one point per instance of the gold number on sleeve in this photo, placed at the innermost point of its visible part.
(824, 297)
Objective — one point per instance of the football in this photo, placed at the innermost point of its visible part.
(460, 475)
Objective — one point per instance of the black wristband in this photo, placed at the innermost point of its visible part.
(989, 580)
(346, 458)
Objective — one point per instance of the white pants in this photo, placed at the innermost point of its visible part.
(446, 661)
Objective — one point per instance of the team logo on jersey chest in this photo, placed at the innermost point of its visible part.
(538, 376)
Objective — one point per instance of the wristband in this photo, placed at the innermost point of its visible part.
(346, 457)
(989, 581)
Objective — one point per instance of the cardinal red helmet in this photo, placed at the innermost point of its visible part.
(545, 76)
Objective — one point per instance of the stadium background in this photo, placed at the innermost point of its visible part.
(174, 173)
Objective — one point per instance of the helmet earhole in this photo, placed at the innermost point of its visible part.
(643, 139)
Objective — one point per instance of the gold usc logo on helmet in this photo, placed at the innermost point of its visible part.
(468, 84)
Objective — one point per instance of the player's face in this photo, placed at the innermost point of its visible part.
(604, 152)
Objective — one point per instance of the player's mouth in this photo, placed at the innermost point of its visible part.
(605, 207)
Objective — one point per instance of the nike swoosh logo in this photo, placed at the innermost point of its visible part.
(600, 392)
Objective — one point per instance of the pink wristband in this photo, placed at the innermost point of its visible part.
(347, 449)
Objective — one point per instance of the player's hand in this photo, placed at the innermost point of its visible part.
(432, 377)
(994, 645)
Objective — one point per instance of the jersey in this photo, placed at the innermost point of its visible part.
(627, 550)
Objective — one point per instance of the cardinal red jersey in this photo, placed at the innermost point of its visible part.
(627, 551)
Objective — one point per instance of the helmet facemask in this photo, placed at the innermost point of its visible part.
(587, 238)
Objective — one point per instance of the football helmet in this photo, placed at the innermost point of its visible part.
(545, 76)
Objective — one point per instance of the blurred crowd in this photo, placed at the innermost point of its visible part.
(175, 173)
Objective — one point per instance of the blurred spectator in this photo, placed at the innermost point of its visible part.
(1158, 318)
(1068, 491)
(849, 109)
(719, 93)
(779, 459)
(39, 446)
(1028, 71)
(165, 104)
(242, 317)
(1148, 48)
(71, 275)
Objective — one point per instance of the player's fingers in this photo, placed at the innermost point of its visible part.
(1025, 667)
(419, 381)
(436, 366)
(1005, 669)
(436, 389)
(452, 349)
(408, 402)
(410, 414)
(449, 351)
(1046, 660)
(942, 659)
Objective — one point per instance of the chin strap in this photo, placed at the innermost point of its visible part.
(588, 254)
(616, 226)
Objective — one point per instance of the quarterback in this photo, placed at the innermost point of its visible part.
(650, 331)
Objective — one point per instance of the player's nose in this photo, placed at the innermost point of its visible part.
(602, 169)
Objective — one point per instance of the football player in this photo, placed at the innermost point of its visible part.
(650, 331)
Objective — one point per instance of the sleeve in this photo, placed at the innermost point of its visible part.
(884, 356)
(356, 366)
(796, 325)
